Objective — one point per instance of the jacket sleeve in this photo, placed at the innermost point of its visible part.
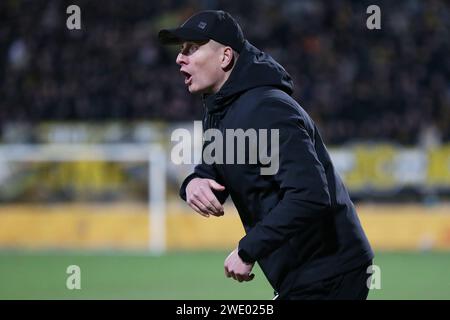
(300, 177)
(207, 172)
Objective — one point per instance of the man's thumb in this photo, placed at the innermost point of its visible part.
(215, 185)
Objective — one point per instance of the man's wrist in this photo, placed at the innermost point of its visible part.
(191, 178)
(185, 183)
(245, 257)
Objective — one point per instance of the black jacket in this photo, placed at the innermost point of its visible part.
(300, 223)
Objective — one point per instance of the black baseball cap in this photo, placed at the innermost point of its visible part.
(217, 25)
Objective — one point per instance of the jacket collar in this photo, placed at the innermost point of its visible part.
(254, 68)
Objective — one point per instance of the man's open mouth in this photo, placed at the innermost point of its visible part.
(187, 77)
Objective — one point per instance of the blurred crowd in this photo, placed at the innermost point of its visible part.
(391, 84)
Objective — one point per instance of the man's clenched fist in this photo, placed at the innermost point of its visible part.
(237, 269)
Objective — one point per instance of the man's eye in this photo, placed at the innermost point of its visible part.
(189, 49)
(192, 49)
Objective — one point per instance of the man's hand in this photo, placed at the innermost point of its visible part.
(200, 197)
(237, 269)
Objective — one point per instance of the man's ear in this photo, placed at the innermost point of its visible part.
(227, 59)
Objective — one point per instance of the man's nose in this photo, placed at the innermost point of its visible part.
(181, 59)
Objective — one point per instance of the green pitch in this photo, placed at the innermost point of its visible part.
(192, 275)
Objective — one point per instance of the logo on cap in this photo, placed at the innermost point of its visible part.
(202, 25)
